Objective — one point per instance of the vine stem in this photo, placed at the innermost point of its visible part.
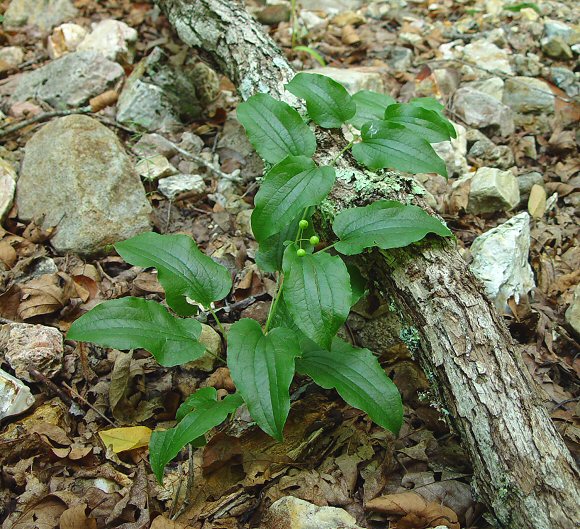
(328, 247)
(219, 323)
(274, 303)
(342, 152)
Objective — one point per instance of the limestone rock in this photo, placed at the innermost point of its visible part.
(493, 190)
(65, 39)
(557, 48)
(113, 39)
(152, 144)
(293, 513)
(492, 86)
(76, 173)
(567, 80)
(454, 152)
(10, 58)
(173, 186)
(45, 14)
(488, 55)
(500, 260)
(160, 96)
(24, 346)
(483, 111)
(528, 95)
(15, 396)
(155, 167)
(7, 187)
(355, 79)
(573, 311)
(526, 182)
(69, 81)
(213, 345)
(486, 153)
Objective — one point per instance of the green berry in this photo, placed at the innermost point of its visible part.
(303, 224)
(314, 240)
(301, 252)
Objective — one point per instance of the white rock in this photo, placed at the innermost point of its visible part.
(454, 152)
(7, 187)
(528, 95)
(493, 190)
(15, 397)
(113, 39)
(181, 183)
(500, 260)
(25, 346)
(64, 39)
(155, 167)
(492, 86)
(355, 79)
(487, 55)
(573, 311)
(480, 110)
(293, 513)
(10, 57)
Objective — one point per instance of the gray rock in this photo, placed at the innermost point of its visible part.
(76, 173)
(483, 111)
(25, 346)
(528, 95)
(274, 14)
(355, 79)
(488, 55)
(556, 47)
(160, 96)
(527, 145)
(69, 81)
(15, 396)
(573, 311)
(566, 79)
(192, 143)
(113, 39)
(500, 260)
(181, 183)
(493, 190)
(45, 14)
(10, 58)
(152, 144)
(529, 65)
(293, 513)
(492, 86)
(7, 187)
(486, 153)
(334, 6)
(454, 152)
(234, 143)
(399, 58)
(526, 182)
(556, 28)
(154, 167)
(213, 350)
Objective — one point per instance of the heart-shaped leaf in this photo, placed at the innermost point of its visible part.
(289, 187)
(275, 129)
(182, 269)
(391, 145)
(357, 377)
(131, 323)
(317, 293)
(370, 106)
(208, 412)
(426, 124)
(429, 103)
(262, 368)
(328, 103)
(386, 224)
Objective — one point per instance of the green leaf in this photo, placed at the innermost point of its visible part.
(328, 103)
(182, 269)
(358, 378)
(524, 5)
(275, 129)
(271, 250)
(195, 400)
(369, 106)
(131, 323)
(289, 187)
(424, 123)
(358, 284)
(386, 224)
(315, 55)
(428, 103)
(208, 412)
(262, 368)
(392, 145)
(317, 293)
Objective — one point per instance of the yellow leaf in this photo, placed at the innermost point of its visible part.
(123, 439)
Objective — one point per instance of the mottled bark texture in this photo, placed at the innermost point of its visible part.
(522, 469)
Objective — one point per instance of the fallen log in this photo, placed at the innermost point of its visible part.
(522, 469)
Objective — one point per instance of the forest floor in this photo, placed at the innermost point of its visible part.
(56, 468)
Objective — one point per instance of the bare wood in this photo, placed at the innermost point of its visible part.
(522, 468)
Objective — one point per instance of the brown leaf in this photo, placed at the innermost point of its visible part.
(416, 512)
(44, 513)
(163, 523)
(76, 518)
(45, 294)
(7, 254)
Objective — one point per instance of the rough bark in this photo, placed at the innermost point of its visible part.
(522, 468)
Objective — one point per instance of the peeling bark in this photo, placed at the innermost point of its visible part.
(522, 468)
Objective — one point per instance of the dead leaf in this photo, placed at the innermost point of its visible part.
(123, 439)
(76, 518)
(44, 514)
(45, 294)
(537, 201)
(163, 523)
(415, 511)
(7, 254)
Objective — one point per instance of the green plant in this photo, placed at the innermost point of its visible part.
(316, 289)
